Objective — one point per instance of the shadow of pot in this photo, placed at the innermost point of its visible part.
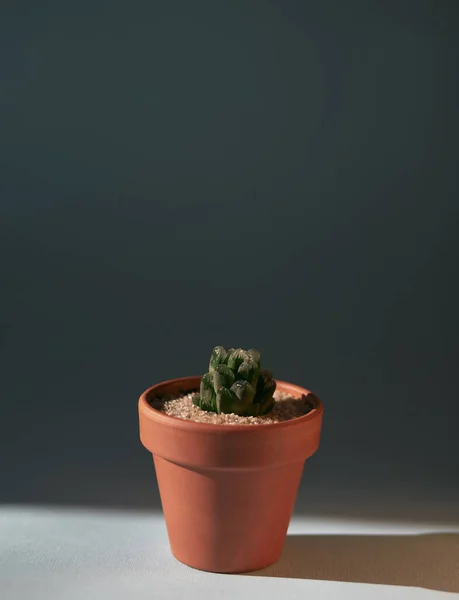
(429, 560)
(227, 491)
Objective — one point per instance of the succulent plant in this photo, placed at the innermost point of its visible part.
(236, 384)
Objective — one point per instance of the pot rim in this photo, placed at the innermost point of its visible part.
(161, 418)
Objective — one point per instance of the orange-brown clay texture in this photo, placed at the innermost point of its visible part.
(227, 492)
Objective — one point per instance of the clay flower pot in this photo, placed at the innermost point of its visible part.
(227, 491)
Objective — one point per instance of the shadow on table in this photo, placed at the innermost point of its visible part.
(428, 560)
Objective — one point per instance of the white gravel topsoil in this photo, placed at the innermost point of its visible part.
(285, 408)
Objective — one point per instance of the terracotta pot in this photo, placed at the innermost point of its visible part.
(227, 491)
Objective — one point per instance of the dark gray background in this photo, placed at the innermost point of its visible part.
(176, 175)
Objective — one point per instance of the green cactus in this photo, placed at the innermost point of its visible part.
(236, 384)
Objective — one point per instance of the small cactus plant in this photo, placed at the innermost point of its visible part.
(236, 384)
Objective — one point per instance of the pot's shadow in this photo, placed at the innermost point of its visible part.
(428, 560)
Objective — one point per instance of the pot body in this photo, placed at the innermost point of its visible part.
(227, 491)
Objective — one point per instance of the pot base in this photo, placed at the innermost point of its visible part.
(227, 521)
(249, 569)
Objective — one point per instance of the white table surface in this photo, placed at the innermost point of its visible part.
(69, 554)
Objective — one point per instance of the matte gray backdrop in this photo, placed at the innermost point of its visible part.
(278, 174)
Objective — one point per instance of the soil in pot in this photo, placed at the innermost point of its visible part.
(286, 407)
